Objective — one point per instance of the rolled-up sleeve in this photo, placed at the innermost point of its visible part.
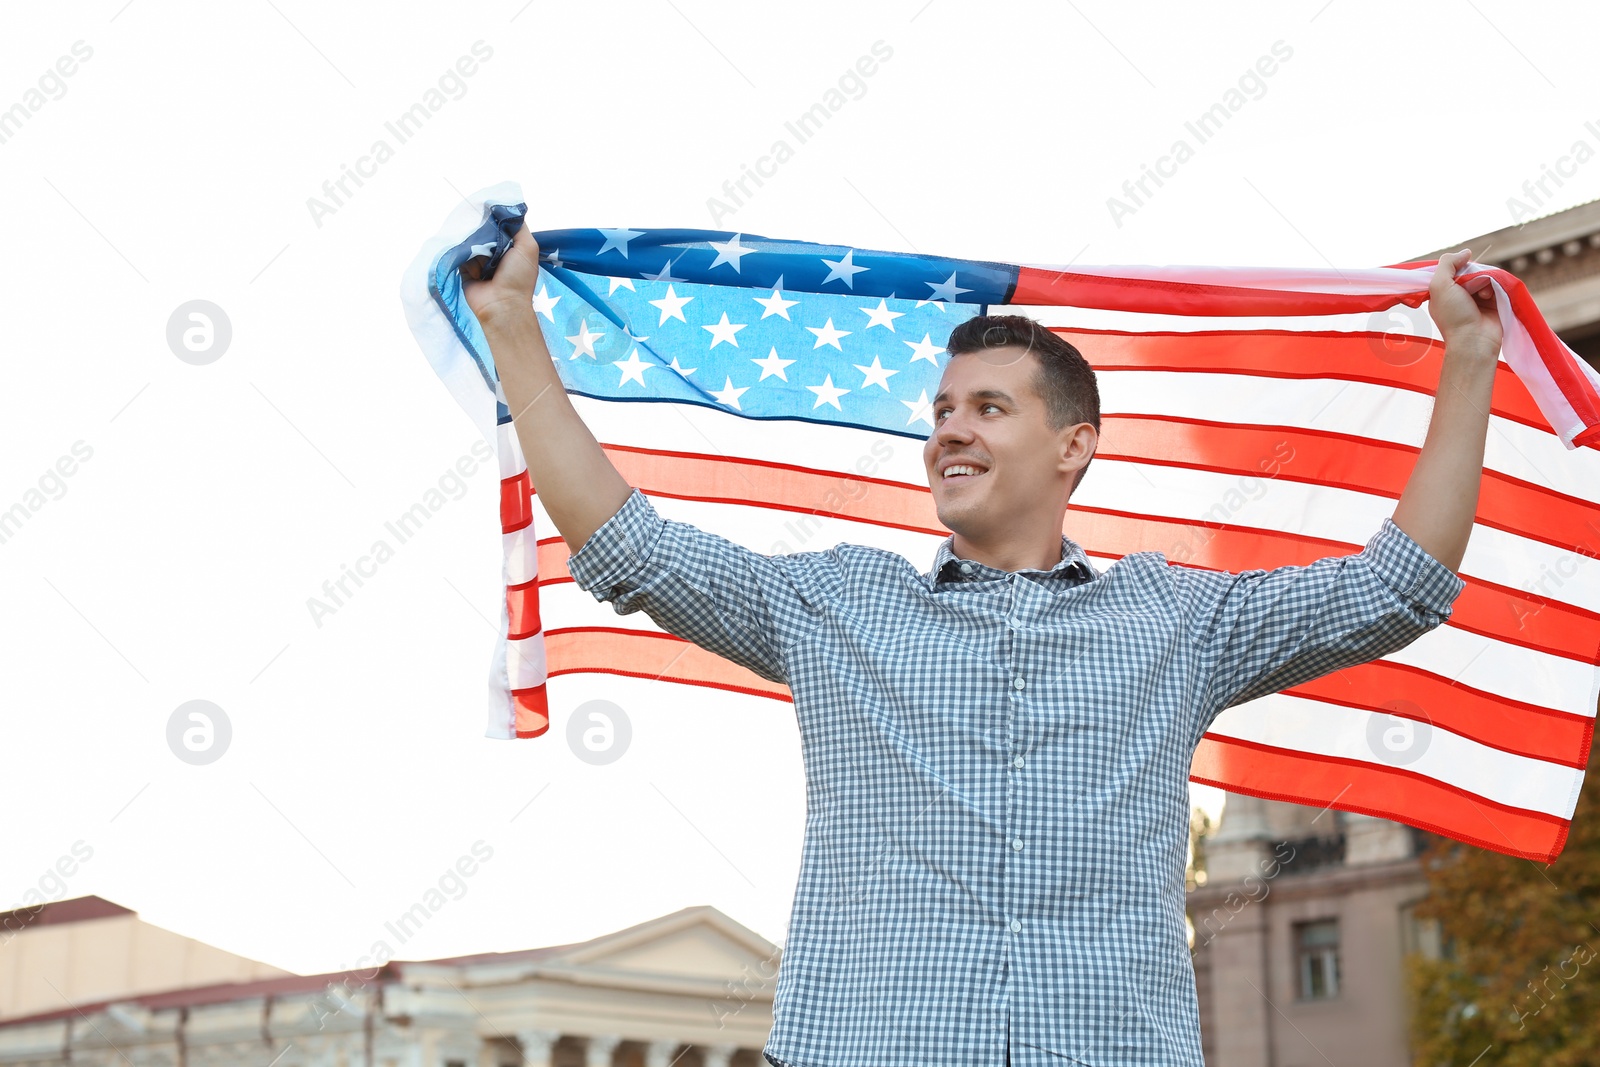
(1261, 631)
(728, 599)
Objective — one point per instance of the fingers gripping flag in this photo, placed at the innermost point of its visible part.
(1253, 418)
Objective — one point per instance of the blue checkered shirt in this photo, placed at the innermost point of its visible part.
(997, 764)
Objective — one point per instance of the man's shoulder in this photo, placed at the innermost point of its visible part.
(852, 563)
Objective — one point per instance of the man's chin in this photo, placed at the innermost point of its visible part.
(958, 520)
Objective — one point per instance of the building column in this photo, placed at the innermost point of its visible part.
(1241, 1017)
(601, 1047)
(1368, 839)
(718, 1055)
(538, 1046)
(661, 1053)
(1238, 847)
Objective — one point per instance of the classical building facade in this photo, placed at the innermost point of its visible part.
(689, 989)
(88, 949)
(1304, 918)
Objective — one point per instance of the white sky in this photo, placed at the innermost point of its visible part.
(176, 565)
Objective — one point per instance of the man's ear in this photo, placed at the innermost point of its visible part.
(1079, 442)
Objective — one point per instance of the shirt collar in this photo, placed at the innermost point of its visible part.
(948, 567)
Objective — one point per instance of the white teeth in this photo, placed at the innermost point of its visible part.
(958, 468)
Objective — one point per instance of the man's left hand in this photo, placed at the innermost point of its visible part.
(1465, 312)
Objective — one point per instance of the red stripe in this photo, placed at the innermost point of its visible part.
(1036, 285)
(1578, 391)
(1040, 286)
(1514, 616)
(1387, 792)
(1391, 360)
(1326, 458)
(1381, 687)
(516, 504)
(522, 608)
(638, 654)
(1275, 773)
(531, 708)
(1490, 719)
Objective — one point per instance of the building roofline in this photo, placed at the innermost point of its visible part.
(1508, 242)
(57, 912)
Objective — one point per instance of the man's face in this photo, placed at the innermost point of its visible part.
(988, 415)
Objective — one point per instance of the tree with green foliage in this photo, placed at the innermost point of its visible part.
(1518, 982)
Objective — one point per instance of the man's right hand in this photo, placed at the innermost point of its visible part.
(511, 288)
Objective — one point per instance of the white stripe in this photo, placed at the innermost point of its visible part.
(693, 427)
(509, 450)
(1330, 730)
(1400, 319)
(1345, 515)
(1383, 413)
(1173, 492)
(1525, 360)
(1503, 669)
(520, 549)
(1455, 655)
(525, 661)
(1393, 281)
(1518, 348)
(1379, 412)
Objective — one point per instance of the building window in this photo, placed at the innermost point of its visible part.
(1316, 949)
(1424, 937)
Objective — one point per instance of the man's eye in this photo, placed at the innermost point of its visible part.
(939, 413)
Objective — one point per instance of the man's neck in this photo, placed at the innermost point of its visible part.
(1013, 555)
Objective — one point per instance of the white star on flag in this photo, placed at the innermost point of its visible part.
(682, 370)
(671, 307)
(632, 367)
(924, 349)
(772, 365)
(827, 393)
(946, 290)
(620, 283)
(583, 342)
(920, 409)
(724, 331)
(876, 374)
(729, 395)
(544, 303)
(882, 316)
(729, 252)
(843, 269)
(827, 335)
(618, 239)
(776, 304)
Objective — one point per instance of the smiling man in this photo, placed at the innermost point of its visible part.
(997, 749)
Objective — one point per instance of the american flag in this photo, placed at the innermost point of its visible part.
(777, 392)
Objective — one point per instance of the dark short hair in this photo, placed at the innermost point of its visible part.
(1063, 379)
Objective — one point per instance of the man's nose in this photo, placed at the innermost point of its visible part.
(952, 427)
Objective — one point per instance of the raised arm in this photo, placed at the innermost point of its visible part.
(576, 481)
(1441, 496)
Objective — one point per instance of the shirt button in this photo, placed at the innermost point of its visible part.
(966, 568)
(1016, 844)
(1017, 763)
(1016, 927)
(1017, 682)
